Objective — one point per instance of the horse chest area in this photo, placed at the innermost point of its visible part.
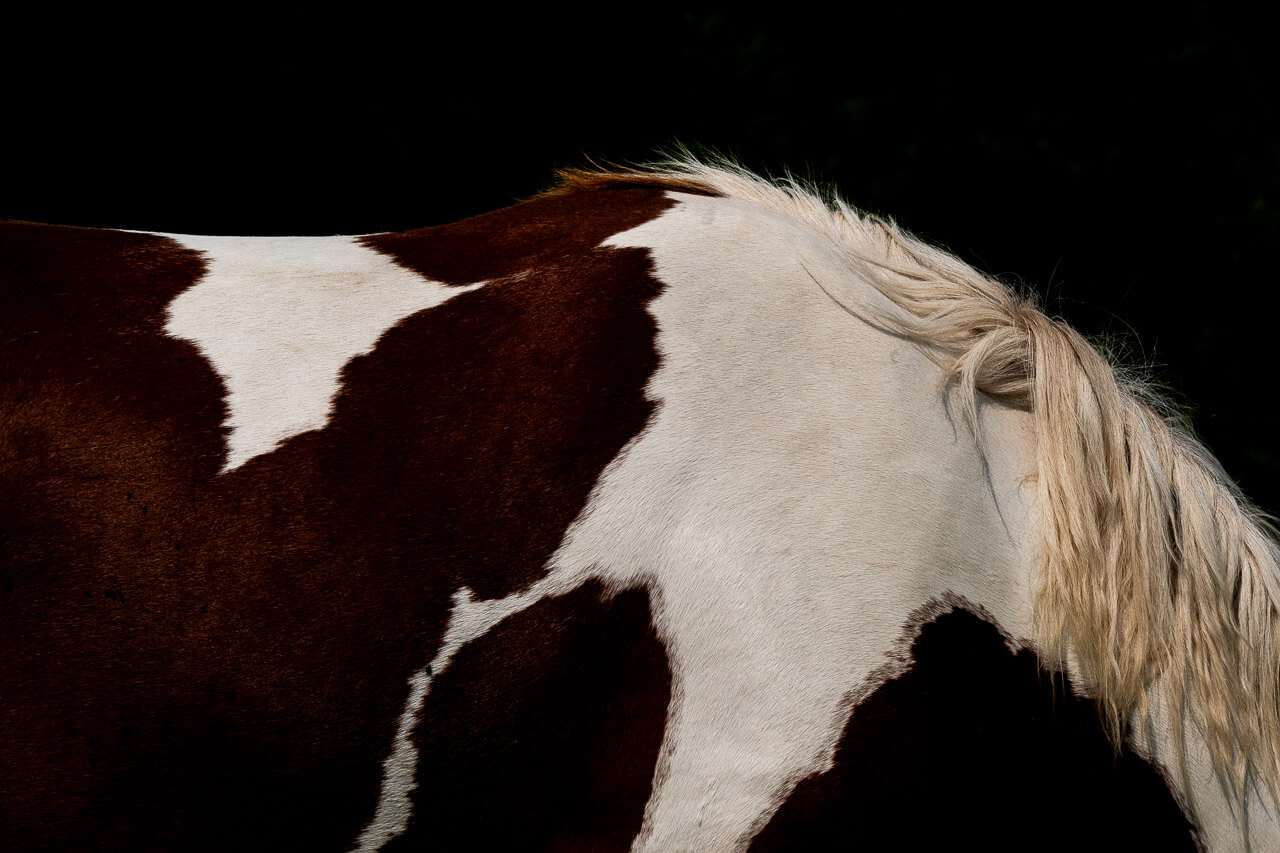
(593, 523)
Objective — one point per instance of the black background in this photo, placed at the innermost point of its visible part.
(1124, 168)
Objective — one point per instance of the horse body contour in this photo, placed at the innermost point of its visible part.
(596, 522)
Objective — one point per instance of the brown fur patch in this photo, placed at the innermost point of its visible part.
(543, 734)
(970, 738)
(206, 662)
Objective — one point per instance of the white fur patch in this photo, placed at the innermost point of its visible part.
(799, 492)
(279, 317)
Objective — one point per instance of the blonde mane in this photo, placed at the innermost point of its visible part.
(1157, 573)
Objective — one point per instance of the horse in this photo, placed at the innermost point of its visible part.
(671, 509)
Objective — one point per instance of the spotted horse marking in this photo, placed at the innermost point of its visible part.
(589, 524)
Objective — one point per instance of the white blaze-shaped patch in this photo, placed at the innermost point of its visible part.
(799, 492)
(279, 317)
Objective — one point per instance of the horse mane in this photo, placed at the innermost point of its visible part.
(1159, 578)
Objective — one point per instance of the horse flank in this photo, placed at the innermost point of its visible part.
(1159, 578)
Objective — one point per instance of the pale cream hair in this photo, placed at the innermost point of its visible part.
(1157, 573)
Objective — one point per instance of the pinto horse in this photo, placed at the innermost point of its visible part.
(669, 510)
